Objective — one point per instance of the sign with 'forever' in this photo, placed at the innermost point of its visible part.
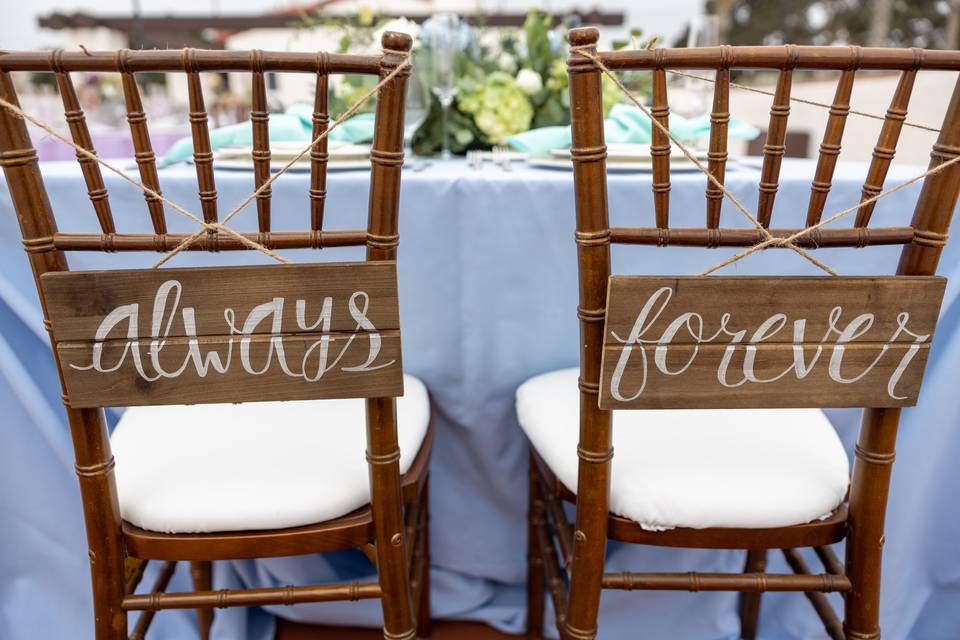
(727, 342)
(227, 334)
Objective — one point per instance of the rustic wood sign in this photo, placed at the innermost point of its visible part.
(227, 334)
(726, 342)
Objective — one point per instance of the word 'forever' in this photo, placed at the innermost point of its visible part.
(801, 365)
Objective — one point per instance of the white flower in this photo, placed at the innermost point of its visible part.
(397, 24)
(529, 81)
(507, 62)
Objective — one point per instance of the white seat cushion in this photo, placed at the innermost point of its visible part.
(259, 465)
(696, 468)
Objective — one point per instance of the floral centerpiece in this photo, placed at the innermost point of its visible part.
(511, 81)
(508, 80)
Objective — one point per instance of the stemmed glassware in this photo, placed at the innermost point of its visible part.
(693, 97)
(415, 110)
(442, 40)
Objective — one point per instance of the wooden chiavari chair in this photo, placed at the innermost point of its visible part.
(383, 514)
(567, 559)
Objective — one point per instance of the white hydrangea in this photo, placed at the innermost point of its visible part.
(403, 25)
(529, 81)
(507, 62)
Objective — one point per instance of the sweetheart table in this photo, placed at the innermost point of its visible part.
(488, 297)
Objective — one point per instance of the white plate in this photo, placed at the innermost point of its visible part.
(298, 167)
(286, 151)
(634, 153)
(614, 166)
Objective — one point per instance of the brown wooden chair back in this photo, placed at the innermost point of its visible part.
(74, 304)
(923, 240)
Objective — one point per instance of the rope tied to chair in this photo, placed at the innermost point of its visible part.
(770, 240)
(585, 51)
(220, 226)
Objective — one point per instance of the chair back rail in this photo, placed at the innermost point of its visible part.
(923, 241)
(46, 249)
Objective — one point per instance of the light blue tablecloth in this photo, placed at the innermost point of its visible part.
(489, 293)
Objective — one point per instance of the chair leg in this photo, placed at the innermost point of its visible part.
(383, 458)
(869, 488)
(590, 537)
(424, 627)
(535, 579)
(201, 572)
(102, 520)
(750, 601)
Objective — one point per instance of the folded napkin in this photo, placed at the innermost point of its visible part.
(296, 125)
(627, 124)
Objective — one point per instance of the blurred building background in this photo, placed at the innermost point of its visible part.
(243, 24)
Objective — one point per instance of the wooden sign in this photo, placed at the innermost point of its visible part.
(727, 342)
(227, 334)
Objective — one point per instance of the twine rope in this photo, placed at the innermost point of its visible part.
(211, 226)
(787, 241)
(221, 225)
(766, 243)
(266, 185)
(806, 101)
(584, 50)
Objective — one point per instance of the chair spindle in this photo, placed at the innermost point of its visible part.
(717, 155)
(259, 119)
(774, 147)
(660, 150)
(202, 152)
(73, 112)
(142, 147)
(318, 154)
(886, 145)
(830, 147)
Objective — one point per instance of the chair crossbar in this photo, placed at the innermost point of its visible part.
(744, 237)
(818, 600)
(754, 582)
(556, 584)
(223, 598)
(159, 585)
(208, 242)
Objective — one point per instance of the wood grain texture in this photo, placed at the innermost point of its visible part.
(774, 147)
(862, 523)
(126, 386)
(227, 334)
(660, 150)
(80, 133)
(143, 148)
(767, 342)
(886, 147)
(111, 544)
(79, 300)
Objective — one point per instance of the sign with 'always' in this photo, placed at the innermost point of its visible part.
(230, 334)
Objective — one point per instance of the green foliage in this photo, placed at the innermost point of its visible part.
(464, 134)
(506, 86)
(536, 30)
(347, 91)
(499, 108)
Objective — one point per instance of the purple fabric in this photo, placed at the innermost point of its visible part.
(107, 144)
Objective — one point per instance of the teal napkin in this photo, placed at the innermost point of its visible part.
(627, 124)
(356, 130)
(296, 125)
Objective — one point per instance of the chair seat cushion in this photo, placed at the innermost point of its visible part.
(259, 465)
(697, 468)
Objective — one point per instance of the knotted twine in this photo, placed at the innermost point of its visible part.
(220, 226)
(585, 51)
